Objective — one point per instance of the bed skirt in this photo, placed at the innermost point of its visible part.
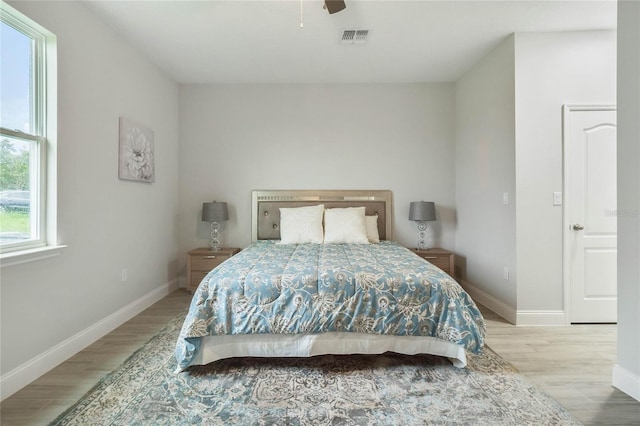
(214, 348)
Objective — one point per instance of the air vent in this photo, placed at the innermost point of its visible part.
(355, 36)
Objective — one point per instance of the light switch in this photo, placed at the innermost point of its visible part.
(557, 198)
(505, 198)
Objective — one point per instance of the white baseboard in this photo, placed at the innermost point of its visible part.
(496, 305)
(541, 318)
(520, 318)
(626, 381)
(26, 373)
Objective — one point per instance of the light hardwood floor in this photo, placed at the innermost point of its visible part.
(572, 364)
(43, 400)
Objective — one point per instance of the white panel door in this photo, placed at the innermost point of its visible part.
(592, 215)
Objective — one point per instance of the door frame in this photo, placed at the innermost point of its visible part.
(567, 109)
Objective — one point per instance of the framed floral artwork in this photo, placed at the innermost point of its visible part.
(136, 155)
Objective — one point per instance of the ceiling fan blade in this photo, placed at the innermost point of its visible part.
(334, 6)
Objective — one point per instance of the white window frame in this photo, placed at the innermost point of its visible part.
(42, 162)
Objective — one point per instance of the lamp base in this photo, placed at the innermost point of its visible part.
(214, 243)
(422, 230)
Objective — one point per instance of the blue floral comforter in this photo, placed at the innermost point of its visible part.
(315, 288)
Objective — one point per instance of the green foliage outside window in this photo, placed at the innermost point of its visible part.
(14, 167)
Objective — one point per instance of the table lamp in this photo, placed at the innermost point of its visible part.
(421, 212)
(214, 212)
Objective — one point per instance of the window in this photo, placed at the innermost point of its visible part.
(24, 130)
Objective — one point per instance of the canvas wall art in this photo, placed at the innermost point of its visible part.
(136, 155)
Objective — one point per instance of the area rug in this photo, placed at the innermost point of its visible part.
(387, 389)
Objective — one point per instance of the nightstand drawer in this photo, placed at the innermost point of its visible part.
(202, 260)
(441, 258)
(207, 262)
(440, 262)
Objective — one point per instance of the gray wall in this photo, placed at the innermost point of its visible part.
(509, 139)
(107, 224)
(235, 138)
(552, 69)
(627, 371)
(485, 170)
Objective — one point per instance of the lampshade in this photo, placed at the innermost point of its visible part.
(422, 211)
(214, 212)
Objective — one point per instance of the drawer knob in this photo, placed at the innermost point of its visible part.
(429, 257)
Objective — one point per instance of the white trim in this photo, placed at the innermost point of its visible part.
(24, 374)
(43, 183)
(499, 307)
(25, 256)
(519, 318)
(566, 198)
(541, 318)
(626, 381)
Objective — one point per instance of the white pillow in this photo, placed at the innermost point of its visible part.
(372, 229)
(345, 226)
(301, 225)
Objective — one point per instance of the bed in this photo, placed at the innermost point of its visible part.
(342, 286)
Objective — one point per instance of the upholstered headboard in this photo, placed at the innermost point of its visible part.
(265, 208)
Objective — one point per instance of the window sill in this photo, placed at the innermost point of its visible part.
(32, 255)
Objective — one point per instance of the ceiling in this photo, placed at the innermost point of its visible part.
(262, 42)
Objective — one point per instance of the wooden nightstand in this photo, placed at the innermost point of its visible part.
(442, 258)
(202, 260)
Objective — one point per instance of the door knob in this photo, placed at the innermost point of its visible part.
(577, 227)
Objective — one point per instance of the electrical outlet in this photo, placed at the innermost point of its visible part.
(124, 275)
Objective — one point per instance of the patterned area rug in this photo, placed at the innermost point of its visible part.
(387, 389)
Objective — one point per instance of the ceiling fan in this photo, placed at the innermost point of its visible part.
(334, 6)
